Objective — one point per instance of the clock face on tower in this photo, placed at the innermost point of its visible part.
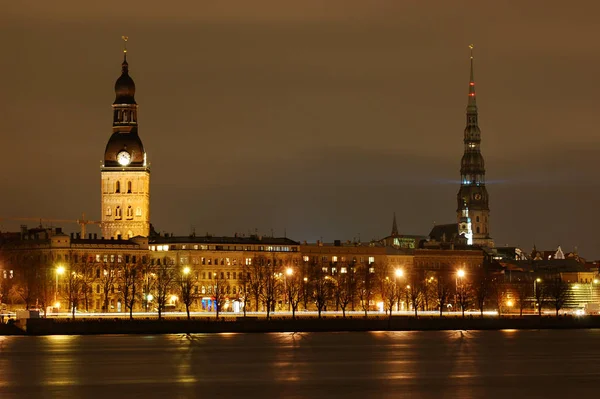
(477, 197)
(123, 158)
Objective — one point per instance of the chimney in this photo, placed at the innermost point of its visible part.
(95, 236)
(337, 243)
(59, 230)
(71, 236)
(119, 237)
(79, 235)
(89, 236)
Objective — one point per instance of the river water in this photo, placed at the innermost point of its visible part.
(468, 364)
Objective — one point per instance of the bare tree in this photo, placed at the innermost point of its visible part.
(45, 287)
(498, 293)
(74, 290)
(131, 277)
(559, 292)
(415, 289)
(187, 282)
(481, 289)
(463, 295)
(366, 282)
(220, 293)
(271, 285)
(86, 266)
(540, 291)
(165, 278)
(305, 283)
(443, 292)
(255, 273)
(391, 295)
(344, 289)
(523, 292)
(293, 290)
(108, 277)
(26, 280)
(320, 288)
(382, 278)
(244, 281)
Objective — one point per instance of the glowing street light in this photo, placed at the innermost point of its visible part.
(460, 273)
(510, 303)
(399, 273)
(186, 270)
(149, 297)
(289, 271)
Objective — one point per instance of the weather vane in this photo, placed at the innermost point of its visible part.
(471, 46)
(125, 38)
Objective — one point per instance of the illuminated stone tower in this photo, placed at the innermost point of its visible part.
(473, 197)
(125, 174)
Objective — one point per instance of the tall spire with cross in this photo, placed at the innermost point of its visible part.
(473, 194)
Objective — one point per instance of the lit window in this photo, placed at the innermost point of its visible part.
(371, 259)
(334, 259)
(343, 270)
(305, 258)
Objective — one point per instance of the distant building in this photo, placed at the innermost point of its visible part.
(397, 240)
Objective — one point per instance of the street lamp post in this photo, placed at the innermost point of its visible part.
(398, 274)
(59, 271)
(288, 272)
(460, 274)
(535, 292)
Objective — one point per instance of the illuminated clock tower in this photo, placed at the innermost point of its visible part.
(125, 173)
(473, 197)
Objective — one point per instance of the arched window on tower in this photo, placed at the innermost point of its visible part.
(128, 187)
(138, 211)
(129, 212)
(477, 229)
(129, 234)
(124, 116)
(118, 212)
(118, 187)
(109, 211)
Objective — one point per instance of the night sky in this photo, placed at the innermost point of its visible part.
(319, 120)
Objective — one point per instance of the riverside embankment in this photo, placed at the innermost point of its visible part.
(58, 326)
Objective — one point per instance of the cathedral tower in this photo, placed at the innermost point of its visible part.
(125, 174)
(473, 196)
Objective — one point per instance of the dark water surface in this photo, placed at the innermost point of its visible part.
(473, 364)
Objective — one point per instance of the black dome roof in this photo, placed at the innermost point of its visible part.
(124, 86)
(128, 141)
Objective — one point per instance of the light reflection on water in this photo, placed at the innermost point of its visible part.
(465, 364)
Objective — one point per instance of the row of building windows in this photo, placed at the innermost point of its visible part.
(167, 247)
(128, 212)
(336, 259)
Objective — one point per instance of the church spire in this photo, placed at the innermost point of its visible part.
(394, 226)
(472, 105)
(125, 65)
(472, 198)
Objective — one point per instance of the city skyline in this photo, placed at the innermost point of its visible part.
(265, 182)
